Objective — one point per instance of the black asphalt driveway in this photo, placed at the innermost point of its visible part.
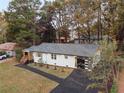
(76, 82)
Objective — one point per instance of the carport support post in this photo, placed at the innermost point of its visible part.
(35, 63)
(63, 69)
(41, 64)
(47, 66)
(55, 67)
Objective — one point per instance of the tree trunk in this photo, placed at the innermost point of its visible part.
(118, 70)
(113, 72)
(57, 36)
(106, 87)
(89, 34)
(99, 22)
(79, 37)
(66, 36)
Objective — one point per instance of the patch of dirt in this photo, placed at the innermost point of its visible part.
(121, 82)
(9, 61)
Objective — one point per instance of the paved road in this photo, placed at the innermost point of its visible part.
(76, 82)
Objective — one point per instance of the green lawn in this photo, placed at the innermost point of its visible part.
(60, 72)
(18, 80)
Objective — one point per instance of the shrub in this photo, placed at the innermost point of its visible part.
(18, 53)
(114, 88)
(2, 53)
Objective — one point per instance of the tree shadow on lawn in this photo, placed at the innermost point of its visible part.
(76, 82)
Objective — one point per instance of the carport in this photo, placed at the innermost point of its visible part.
(84, 62)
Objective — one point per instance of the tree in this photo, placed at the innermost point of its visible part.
(107, 70)
(46, 30)
(25, 38)
(23, 15)
(77, 16)
(59, 18)
(45, 27)
(3, 28)
(120, 25)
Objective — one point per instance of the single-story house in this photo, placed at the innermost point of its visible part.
(84, 56)
(9, 48)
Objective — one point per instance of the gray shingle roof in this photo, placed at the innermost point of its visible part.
(87, 50)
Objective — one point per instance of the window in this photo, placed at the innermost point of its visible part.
(53, 56)
(66, 57)
(39, 54)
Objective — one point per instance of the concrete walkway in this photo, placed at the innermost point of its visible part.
(76, 82)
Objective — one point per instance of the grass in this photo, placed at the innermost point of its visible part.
(17, 80)
(114, 88)
(51, 70)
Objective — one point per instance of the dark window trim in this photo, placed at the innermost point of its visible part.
(53, 56)
(66, 57)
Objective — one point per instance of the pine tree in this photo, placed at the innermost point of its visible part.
(23, 15)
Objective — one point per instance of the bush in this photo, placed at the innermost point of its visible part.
(18, 53)
(2, 53)
(114, 88)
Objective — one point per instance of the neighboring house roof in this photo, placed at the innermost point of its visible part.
(87, 50)
(8, 46)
